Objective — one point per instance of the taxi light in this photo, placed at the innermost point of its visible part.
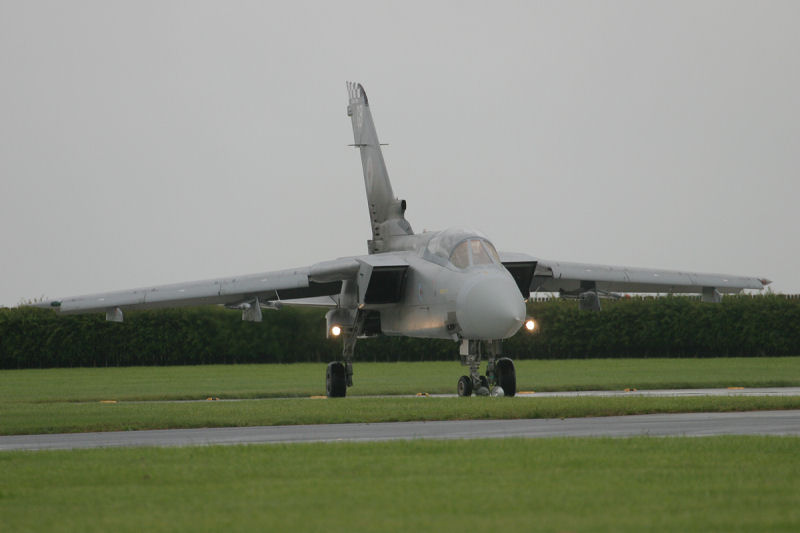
(336, 331)
(530, 324)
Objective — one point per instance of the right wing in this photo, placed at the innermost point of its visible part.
(586, 279)
(248, 293)
(565, 277)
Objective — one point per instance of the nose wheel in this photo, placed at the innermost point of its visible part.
(500, 378)
(465, 386)
(505, 375)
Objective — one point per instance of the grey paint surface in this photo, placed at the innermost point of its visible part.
(694, 424)
(567, 276)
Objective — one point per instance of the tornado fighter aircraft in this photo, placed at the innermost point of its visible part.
(450, 284)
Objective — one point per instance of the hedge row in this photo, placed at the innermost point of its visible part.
(664, 327)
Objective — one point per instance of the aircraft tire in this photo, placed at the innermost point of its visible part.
(335, 380)
(506, 376)
(465, 386)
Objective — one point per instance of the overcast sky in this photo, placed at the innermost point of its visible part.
(151, 142)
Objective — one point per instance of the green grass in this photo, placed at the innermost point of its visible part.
(67, 400)
(558, 485)
(30, 418)
(305, 379)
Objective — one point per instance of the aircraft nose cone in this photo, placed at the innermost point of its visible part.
(491, 307)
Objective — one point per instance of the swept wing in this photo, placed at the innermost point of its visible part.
(574, 279)
(308, 285)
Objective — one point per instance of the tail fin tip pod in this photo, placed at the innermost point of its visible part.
(357, 94)
(386, 212)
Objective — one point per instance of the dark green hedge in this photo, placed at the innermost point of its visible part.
(664, 327)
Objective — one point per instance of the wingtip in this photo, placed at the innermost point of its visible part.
(43, 304)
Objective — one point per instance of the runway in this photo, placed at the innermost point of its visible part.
(693, 424)
(661, 393)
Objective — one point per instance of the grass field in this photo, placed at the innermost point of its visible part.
(666, 484)
(304, 379)
(68, 400)
(558, 485)
(31, 418)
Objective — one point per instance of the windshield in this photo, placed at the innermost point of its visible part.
(492, 251)
(473, 252)
(479, 255)
(460, 255)
(463, 248)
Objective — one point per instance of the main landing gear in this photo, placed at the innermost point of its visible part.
(336, 380)
(339, 374)
(500, 378)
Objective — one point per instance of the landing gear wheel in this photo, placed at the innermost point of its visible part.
(335, 380)
(483, 387)
(506, 376)
(465, 386)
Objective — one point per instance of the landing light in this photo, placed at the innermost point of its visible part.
(530, 325)
(336, 331)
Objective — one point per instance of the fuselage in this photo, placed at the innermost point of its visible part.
(455, 288)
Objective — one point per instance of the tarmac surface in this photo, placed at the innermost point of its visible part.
(691, 424)
(663, 393)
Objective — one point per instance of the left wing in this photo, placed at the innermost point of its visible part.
(248, 293)
(578, 279)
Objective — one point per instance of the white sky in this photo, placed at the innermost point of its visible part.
(151, 142)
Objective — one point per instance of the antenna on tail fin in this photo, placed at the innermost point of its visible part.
(386, 213)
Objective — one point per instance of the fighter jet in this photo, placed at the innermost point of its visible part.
(450, 284)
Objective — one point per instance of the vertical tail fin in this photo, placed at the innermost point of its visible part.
(386, 212)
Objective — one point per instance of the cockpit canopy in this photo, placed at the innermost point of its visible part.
(463, 248)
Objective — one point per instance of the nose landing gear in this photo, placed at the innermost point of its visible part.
(505, 376)
(500, 378)
(465, 386)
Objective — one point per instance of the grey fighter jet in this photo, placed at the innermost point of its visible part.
(450, 284)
